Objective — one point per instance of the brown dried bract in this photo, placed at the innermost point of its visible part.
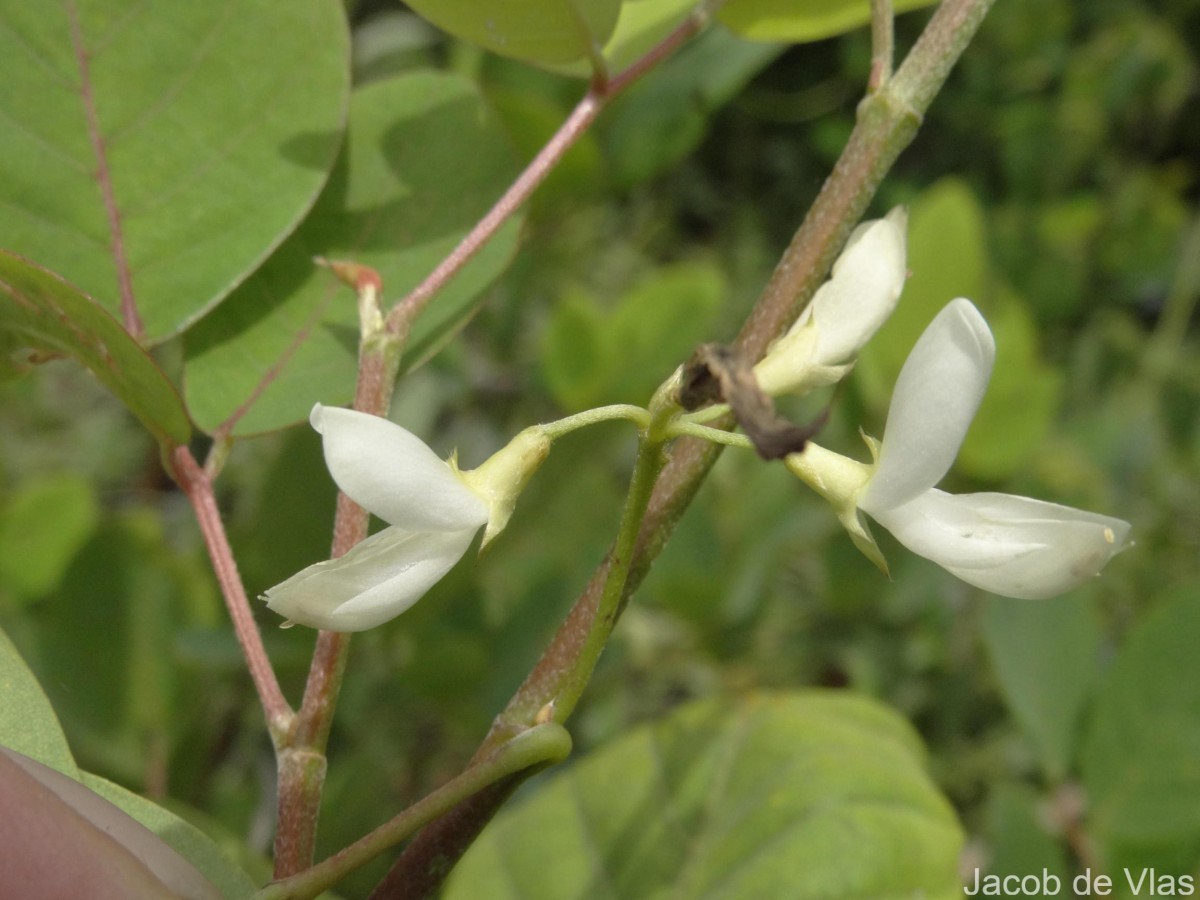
(718, 373)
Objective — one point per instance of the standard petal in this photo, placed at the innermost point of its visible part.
(936, 396)
(391, 472)
(863, 289)
(1012, 546)
(377, 580)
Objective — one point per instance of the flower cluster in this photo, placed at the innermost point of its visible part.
(1009, 545)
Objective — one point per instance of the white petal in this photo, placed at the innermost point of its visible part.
(936, 396)
(1012, 546)
(391, 472)
(863, 289)
(377, 580)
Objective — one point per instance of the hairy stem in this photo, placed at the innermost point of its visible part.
(882, 43)
(198, 488)
(301, 774)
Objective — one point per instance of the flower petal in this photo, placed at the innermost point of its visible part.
(377, 580)
(862, 291)
(391, 472)
(936, 396)
(844, 313)
(1009, 545)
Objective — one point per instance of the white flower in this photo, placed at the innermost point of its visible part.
(845, 312)
(433, 515)
(1009, 545)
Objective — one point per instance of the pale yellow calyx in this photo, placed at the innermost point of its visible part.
(500, 480)
(841, 481)
(788, 365)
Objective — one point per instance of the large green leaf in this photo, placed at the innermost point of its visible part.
(191, 843)
(801, 20)
(1046, 656)
(27, 720)
(1140, 756)
(39, 310)
(542, 31)
(424, 161)
(156, 152)
(806, 795)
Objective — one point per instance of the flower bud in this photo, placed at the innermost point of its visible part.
(845, 312)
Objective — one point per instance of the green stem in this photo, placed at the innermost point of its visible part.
(882, 43)
(707, 414)
(534, 748)
(568, 684)
(559, 427)
(684, 428)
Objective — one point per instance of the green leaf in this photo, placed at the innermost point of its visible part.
(27, 720)
(1019, 842)
(540, 31)
(1046, 656)
(155, 154)
(1140, 753)
(799, 21)
(40, 311)
(662, 119)
(590, 357)
(801, 795)
(42, 526)
(114, 694)
(196, 847)
(641, 25)
(575, 356)
(425, 159)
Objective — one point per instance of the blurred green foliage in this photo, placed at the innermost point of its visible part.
(1055, 181)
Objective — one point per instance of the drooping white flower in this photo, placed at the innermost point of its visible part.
(844, 313)
(1009, 545)
(432, 511)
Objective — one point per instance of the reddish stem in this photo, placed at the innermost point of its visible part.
(599, 94)
(302, 764)
(195, 483)
(129, 312)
